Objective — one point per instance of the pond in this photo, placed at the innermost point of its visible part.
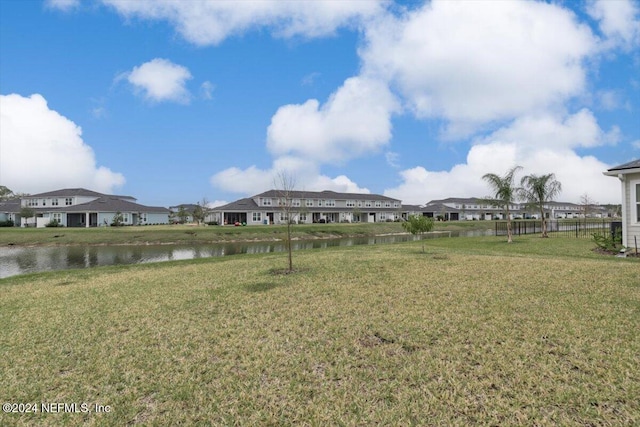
(22, 260)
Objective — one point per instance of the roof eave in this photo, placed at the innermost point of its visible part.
(616, 172)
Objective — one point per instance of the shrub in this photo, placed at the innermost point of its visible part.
(53, 223)
(7, 223)
(212, 223)
(610, 242)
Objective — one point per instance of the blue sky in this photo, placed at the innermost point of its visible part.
(173, 102)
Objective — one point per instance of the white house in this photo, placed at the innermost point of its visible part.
(310, 207)
(79, 207)
(629, 176)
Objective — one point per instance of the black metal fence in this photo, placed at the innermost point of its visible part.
(560, 228)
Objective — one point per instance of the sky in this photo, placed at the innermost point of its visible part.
(182, 101)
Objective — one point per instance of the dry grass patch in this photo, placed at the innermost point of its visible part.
(364, 335)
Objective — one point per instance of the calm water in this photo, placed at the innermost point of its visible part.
(19, 260)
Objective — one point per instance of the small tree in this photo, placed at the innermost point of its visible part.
(586, 206)
(118, 220)
(504, 193)
(538, 190)
(6, 193)
(201, 211)
(198, 214)
(26, 212)
(285, 184)
(418, 224)
(182, 215)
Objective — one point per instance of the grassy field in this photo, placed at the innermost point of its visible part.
(474, 331)
(204, 234)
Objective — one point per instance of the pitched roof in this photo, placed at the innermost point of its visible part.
(106, 204)
(70, 192)
(10, 206)
(238, 205)
(635, 164)
(326, 194)
(188, 207)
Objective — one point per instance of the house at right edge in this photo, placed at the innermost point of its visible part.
(629, 176)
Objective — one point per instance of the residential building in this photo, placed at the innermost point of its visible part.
(629, 176)
(309, 207)
(455, 208)
(188, 209)
(79, 207)
(10, 211)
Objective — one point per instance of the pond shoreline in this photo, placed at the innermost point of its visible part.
(217, 241)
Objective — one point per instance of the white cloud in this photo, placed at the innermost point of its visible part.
(472, 63)
(306, 174)
(206, 90)
(355, 120)
(636, 144)
(619, 21)
(310, 78)
(64, 5)
(48, 156)
(539, 144)
(392, 159)
(210, 22)
(550, 131)
(160, 80)
(608, 100)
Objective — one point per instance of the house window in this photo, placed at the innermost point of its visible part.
(331, 203)
(359, 203)
(309, 203)
(143, 217)
(320, 202)
(378, 204)
(387, 204)
(44, 202)
(257, 217)
(351, 203)
(368, 204)
(54, 202)
(383, 217)
(68, 201)
(266, 202)
(295, 203)
(125, 217)
(57, 217)
(396, 204)
(302, 217)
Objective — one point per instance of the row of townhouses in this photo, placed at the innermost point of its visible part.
(78, 207)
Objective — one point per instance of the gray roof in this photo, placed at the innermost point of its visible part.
(106, 204)
(10, 206)
(241, 205)
(188, 207)
(460, 200)
(635, 164)
(326, 194)
(70, 192)
(411, 208)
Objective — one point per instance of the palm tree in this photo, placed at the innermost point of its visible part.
(538, 190)
(504, 193)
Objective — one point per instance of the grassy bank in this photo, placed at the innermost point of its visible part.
(186, 234)
(474, 331)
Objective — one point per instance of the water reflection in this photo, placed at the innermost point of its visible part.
(14, 261)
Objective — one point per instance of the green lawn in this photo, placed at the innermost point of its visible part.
(473, 331)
